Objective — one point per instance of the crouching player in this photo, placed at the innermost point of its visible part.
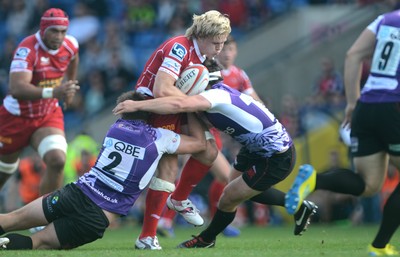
(80, 212)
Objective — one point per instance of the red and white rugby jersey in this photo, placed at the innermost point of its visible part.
(48, 68)
(172, 57)
(237, 78)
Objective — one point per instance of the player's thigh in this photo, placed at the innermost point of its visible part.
(168, 167)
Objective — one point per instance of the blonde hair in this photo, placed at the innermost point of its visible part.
(209, 24)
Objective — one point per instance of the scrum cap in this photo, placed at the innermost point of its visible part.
(53, 17)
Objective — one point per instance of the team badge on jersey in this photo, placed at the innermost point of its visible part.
(178, 51)
(22, 52)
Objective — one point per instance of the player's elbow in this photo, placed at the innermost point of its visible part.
(200, 146)
(162, 91)
(15, 92)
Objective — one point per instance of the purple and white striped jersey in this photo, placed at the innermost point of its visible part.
(383, 81)
(127, 161)
(246, 120)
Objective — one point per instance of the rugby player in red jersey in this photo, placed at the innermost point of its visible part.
(43, 72)
(204, 38)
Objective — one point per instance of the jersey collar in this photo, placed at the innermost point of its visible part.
(43, 46)
(202, 58)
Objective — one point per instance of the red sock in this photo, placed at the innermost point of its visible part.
(155, 202)
(169, 214)
(193, 172)
(214, 193)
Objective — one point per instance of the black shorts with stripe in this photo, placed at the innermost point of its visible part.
(262, 173)
(76, 218)
(375, 127)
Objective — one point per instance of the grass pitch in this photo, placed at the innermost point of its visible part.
(318, 240)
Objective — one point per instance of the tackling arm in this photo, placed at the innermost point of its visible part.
(196, 141)
(165, 105)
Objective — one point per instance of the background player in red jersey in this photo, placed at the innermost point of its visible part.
(205, 38)
(30, 114)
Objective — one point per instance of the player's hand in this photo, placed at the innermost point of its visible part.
(125, 106)
(66, 92)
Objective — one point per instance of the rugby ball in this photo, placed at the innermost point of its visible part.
(193, 79)
(344, 132)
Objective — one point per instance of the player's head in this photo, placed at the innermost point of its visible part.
(53, 27)
(214, 69)
(229, 52)
(210, 30)
(135, 96)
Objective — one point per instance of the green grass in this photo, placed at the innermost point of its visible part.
(319, 240)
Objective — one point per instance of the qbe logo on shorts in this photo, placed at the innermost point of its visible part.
(178, 51)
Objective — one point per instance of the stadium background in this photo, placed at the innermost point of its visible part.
(281, 44)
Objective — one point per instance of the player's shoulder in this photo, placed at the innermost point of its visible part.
(179, 39)
(71, 42)
(178, 42)
(29, 41)
(26, 48)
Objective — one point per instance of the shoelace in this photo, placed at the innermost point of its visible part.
(192, 242)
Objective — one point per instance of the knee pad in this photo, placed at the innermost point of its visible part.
(161, 185)
(52, 142)
(9, 168)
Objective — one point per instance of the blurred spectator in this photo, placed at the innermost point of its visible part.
(165, 12)
(119, 77)
(95, 96)
(98, 8)
(29, 174)
(207, 5)
(237, 11)
(86, 161)
(6, 56)
(5, 7)
(81, 142)
(258, 12)
(329, 87)
(114, 44)
(176, 26)
(289, 115)
(140, 15)
(7, 53)
(18, 18)
(84, 25)
(38, 8)
(89, 59)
